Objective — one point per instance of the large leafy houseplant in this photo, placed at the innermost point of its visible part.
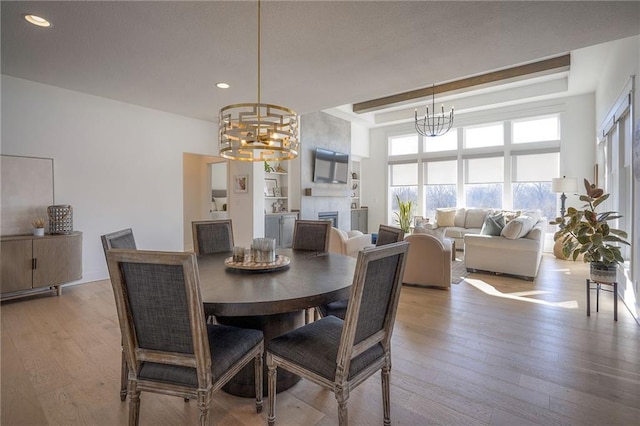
(587, 232)
(403, 216)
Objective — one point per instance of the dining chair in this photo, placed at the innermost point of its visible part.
(389, 234)
(122, 239)
(312, 235)
(169, 347)
(212, 236)
(340, 355)
(338, 309)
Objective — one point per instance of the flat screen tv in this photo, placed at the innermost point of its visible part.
(330, 166)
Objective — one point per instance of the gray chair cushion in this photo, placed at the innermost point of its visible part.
(125, 241)
(214, 238)
(337, 309)
(227, 346)
(315, 347)
(310, 236)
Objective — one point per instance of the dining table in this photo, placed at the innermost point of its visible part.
(272, 299)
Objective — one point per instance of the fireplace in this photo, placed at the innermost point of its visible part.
(332, 216)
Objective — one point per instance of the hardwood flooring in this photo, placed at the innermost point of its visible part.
(493, 350)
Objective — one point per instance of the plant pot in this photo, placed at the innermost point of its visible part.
(602, 273)
(38, 232)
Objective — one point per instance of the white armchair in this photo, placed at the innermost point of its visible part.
(428, 261)
(348, 243)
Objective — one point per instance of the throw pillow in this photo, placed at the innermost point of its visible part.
(445, 217)
(492, 225)
(517, 228)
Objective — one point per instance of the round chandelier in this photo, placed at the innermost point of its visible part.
(258, 131)
(435, 124)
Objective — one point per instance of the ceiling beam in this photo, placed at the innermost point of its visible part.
(557, 64)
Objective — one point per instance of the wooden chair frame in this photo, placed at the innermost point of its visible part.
(194, 232)
(319, 223)
(106, 245)
(387, 229)
(200, 359)
(341, 386)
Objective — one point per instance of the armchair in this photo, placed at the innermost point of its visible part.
(428, 261)
(348, 243)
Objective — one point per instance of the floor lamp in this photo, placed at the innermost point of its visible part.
(560, 186)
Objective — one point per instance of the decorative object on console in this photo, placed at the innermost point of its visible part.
(562, 185)
(587, 232)
(38, 227)
(258, 131)
(60, 219)
(435, 124)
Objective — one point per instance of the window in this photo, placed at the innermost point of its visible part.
(536, 130)
(483, 183)
(532, 183)
(483, 136)
(446, 142)
(404, 184)
(440, 188)
(402, 145)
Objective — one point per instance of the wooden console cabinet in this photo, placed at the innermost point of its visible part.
(29, 264)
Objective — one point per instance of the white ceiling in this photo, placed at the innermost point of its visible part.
(315, 54)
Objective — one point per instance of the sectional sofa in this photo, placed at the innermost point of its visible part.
(494, 240)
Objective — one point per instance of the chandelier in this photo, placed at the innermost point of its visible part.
(435, 124)
(258, 131)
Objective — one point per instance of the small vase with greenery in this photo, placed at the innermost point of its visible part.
(38, 227)
(587, 232)
(403, 216)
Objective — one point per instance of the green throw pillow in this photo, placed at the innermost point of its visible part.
(492, 225)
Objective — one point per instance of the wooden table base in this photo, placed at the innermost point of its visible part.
(272, 326)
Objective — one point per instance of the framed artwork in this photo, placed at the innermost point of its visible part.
(269, 186)
(240, 183)
(277, 192)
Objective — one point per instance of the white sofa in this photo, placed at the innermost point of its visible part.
(517, 251)
(348, 243)
(455, 223)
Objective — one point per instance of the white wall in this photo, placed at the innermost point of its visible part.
(118, 165)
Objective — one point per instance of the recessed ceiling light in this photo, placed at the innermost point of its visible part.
(37, 20)
(222, 85)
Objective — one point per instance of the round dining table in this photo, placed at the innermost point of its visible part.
(272, 300)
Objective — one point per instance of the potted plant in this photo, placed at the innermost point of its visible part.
(38, 227)
(403, 217)
(587, 232)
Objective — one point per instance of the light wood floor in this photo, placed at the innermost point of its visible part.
(492, 351)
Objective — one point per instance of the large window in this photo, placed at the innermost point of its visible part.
(536, 130)
(446, 142)
(483, 183)
(402, 145)
(531, 182)
(440, 189)
(404, 184)
(484, 136)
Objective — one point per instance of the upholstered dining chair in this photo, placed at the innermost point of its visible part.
(337, 354)
(212, 236)
(122, 239)
(389, 234)
(312, 235)
(170, 349)
(338, 309)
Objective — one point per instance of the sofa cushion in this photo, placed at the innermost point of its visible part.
(460, 216)
(454, 232)
(493, 225)
(445, 217)
(518, 227)
(475, 218)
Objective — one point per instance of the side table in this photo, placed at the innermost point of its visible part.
(597, 288)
